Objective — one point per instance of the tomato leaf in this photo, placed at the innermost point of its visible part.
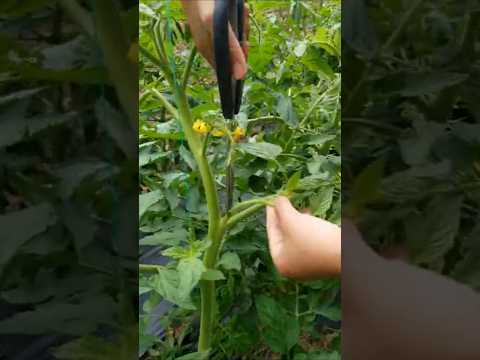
(293, 182)
(280, 330)
(262, 150)
(230, 261)
(213, 275)
(145, 201)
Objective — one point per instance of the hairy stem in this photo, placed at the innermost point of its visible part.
(235, 219)
(215, 228)
(248, 203)
(215, 235)
(207, 315)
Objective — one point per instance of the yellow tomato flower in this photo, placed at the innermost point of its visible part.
(200, 126)
(238, 133)
(217, 133)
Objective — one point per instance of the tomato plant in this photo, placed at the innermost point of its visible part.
(286, 139)
(411, 157)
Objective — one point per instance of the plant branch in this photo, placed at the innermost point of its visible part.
(267, 117)
(309, 9)
(316, 102)
(157, 40)
(403, 22)
(163, 66)
(78, 14)
(248, 203)
(143, 96)
(149, 268)
(254, 21)
(115, 46)
(235, 219)
(188, 68)
(165, 103)
(391, 39)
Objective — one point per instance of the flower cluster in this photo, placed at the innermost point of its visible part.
(202, 127)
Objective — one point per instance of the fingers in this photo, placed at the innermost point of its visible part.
(285, 211)
(200, 21)
(237, 57)
(207, 52)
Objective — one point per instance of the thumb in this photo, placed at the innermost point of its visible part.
(237, 56)
(285, 211)
(274, 232)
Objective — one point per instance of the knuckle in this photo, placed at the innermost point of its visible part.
(284, 267)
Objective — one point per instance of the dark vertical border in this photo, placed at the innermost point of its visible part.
(410, 178)
(68, 179)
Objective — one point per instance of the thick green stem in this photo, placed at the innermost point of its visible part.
(207, 289)
(207, 317)
(216, 229)
(215, 235)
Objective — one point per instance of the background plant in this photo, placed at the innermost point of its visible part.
(68, 179)
(291, 120)
(411, 124)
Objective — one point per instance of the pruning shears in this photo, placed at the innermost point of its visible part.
(227, 12)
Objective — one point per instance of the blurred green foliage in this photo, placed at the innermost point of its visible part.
(411, 131)
(67, 185)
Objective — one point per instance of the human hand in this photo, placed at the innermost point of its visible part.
(200, 19)
(400, 304)
(302, 246)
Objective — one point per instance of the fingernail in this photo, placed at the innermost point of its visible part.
(239, 70)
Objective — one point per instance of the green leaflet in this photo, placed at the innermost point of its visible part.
(262, 150)
(230, 261)
(147, 200)
(280, 329)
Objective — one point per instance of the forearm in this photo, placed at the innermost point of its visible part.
(201, 10)
(409, 312)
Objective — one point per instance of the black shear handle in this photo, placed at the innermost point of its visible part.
(227, 12)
